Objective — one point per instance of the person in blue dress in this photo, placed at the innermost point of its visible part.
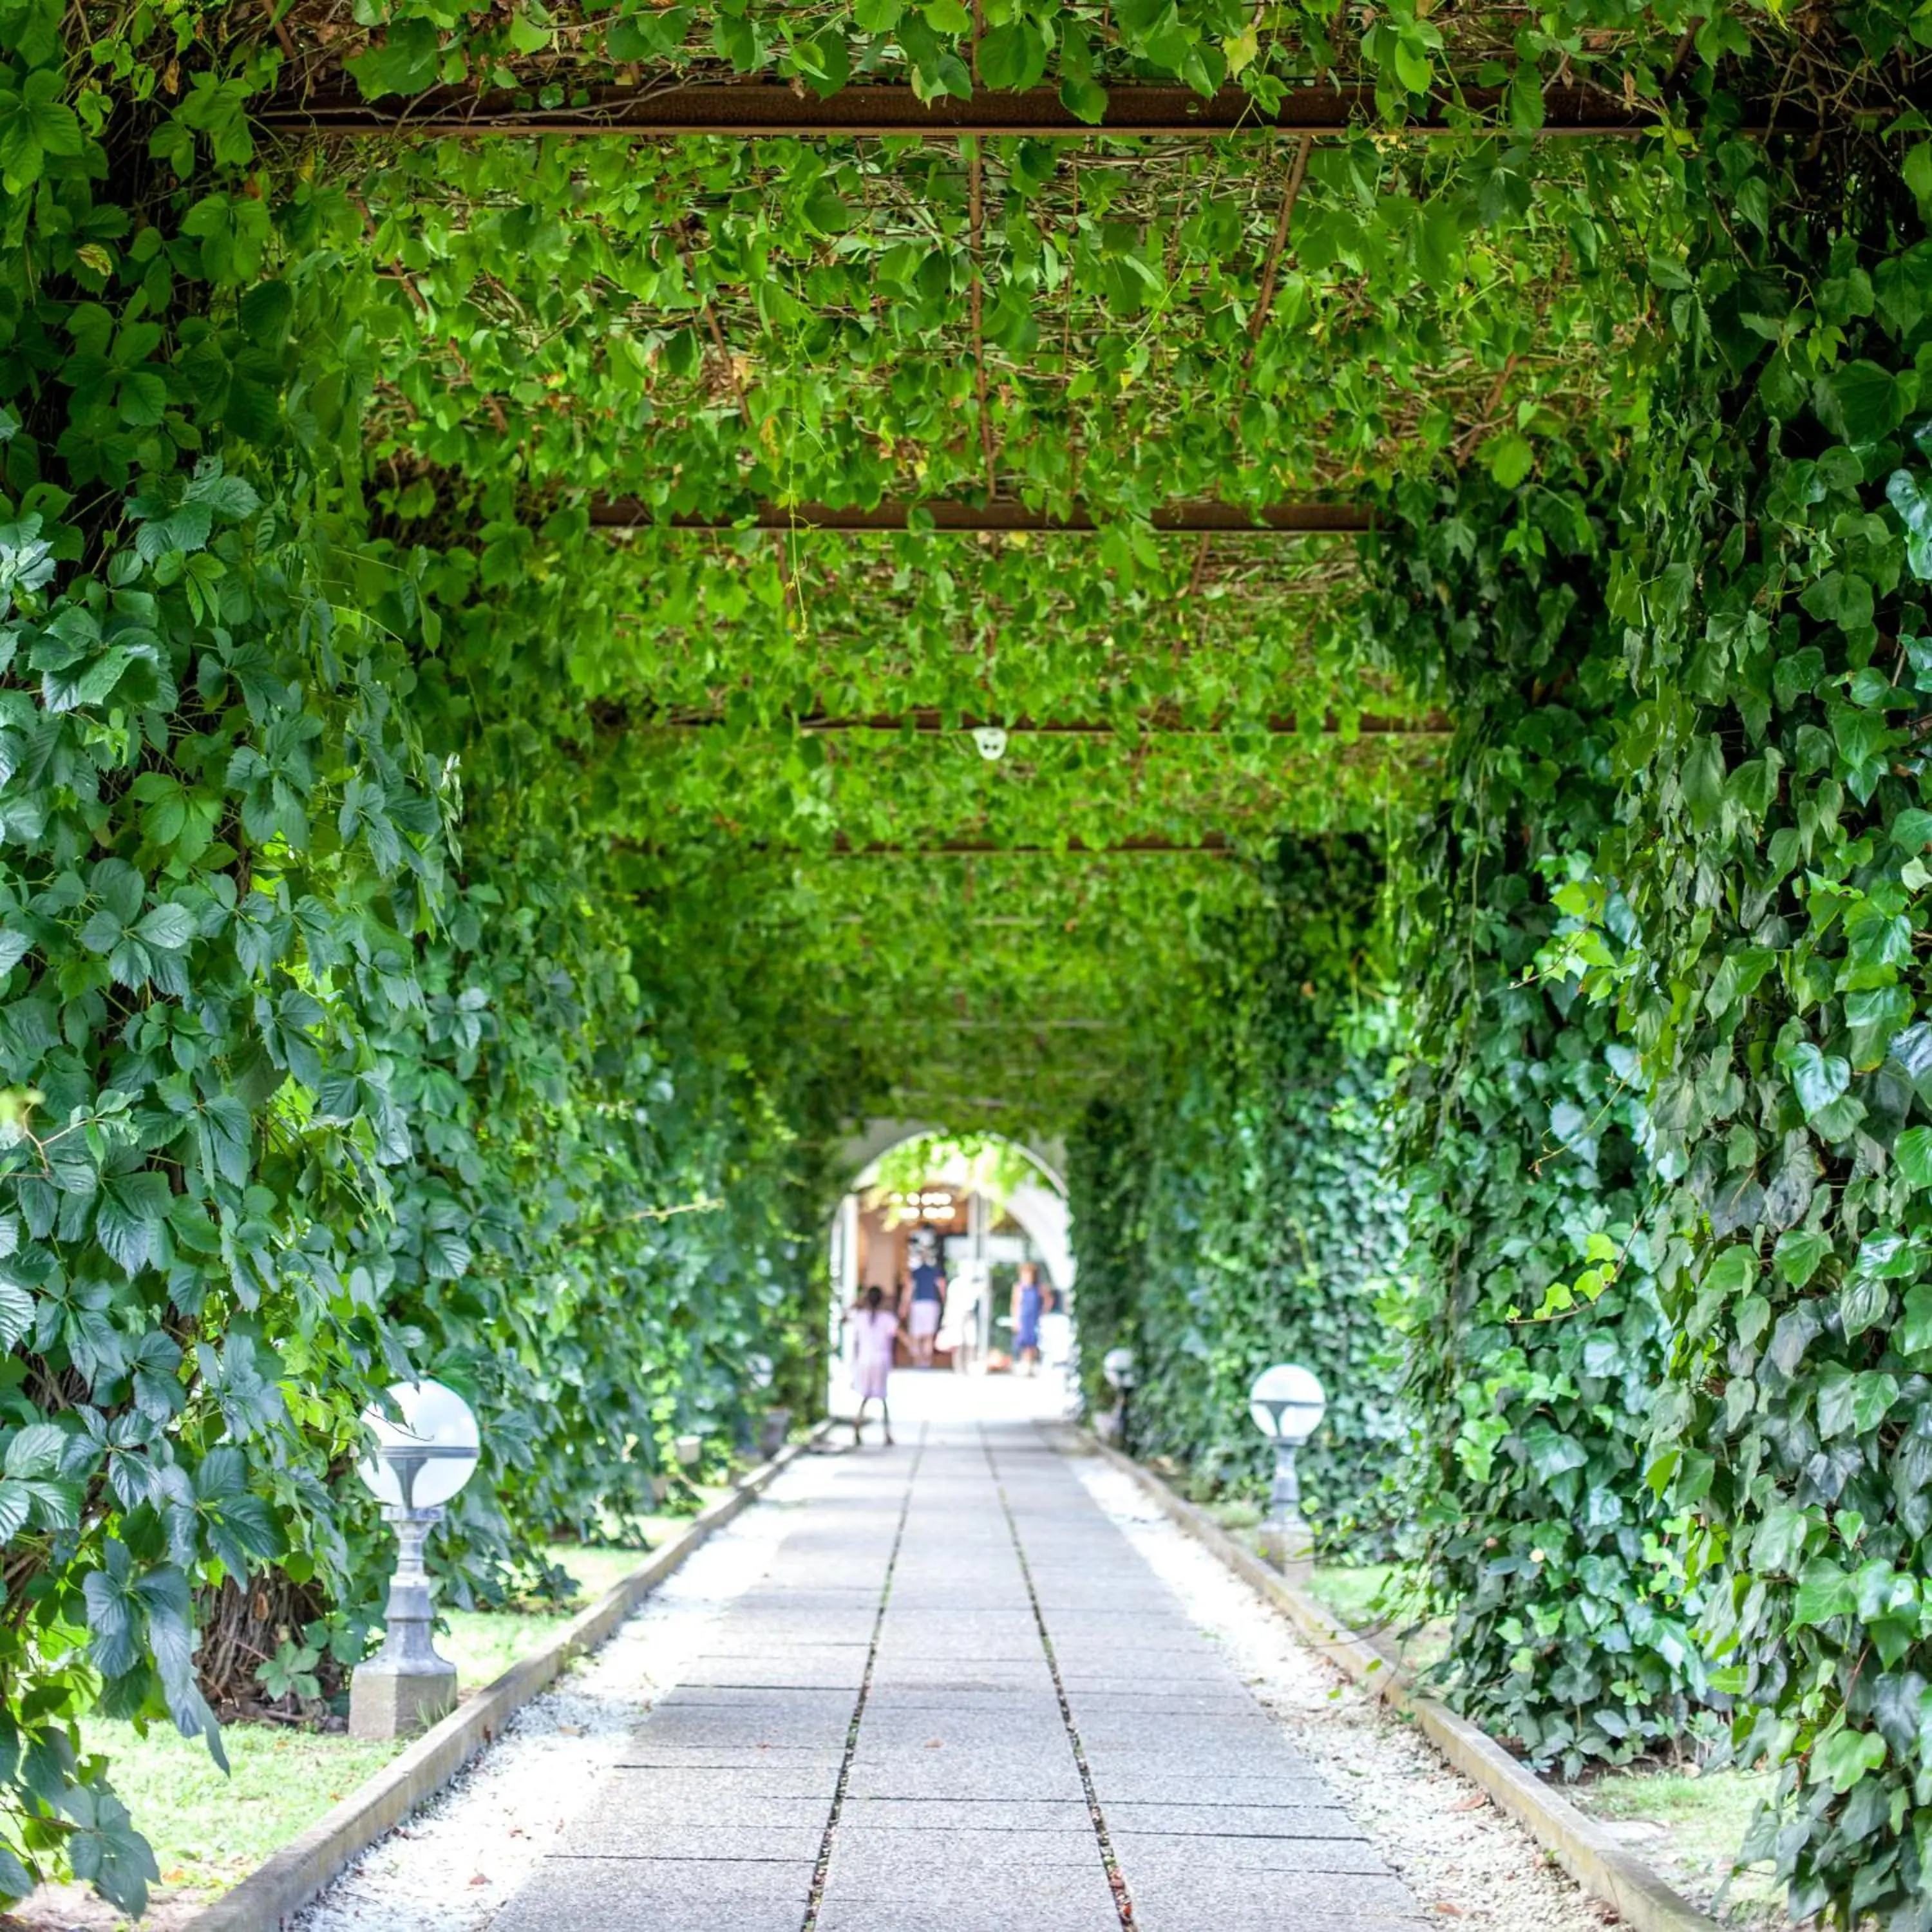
(1031, 1299)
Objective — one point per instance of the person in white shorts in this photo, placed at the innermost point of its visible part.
(924, 1307)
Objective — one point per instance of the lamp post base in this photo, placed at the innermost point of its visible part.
(405, 1688)
(1286, 1542)
(384, 1702)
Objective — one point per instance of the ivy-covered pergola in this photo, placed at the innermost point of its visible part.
(517, 522)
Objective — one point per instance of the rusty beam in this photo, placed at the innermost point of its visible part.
(755, 108)
(930, 721)
(1211, 844)
(627, 513)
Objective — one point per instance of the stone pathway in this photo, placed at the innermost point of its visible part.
(959, 1698)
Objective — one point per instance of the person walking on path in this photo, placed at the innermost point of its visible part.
(876, 1327)
(1030, 1300)
(926, 1308)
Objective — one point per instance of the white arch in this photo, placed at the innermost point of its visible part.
(1039, 1208)
(859, 1151)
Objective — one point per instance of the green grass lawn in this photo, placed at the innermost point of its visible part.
(483, 1644)
(209, 1831)
(1698, 1821)
(1686, 1825)
(1351, 1589)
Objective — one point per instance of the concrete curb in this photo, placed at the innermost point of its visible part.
(1594, 1859)
(266, 1899)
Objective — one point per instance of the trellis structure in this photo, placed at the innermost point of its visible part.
(494, 630)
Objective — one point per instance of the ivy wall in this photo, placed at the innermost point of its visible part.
(1233, 1211)
(1536, 1335)
(1770, 596)
(354, 1019)
(336, 1045)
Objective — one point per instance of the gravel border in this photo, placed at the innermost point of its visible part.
(1462, 1858)
(461, 1857)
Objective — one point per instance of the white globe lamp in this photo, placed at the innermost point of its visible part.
(1286, 1404)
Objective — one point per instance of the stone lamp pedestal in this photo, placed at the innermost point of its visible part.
(1284, 1538)
(406, 1687)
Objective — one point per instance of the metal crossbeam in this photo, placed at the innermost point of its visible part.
(930, 722)
(626, 513)
(1211, 845)
(750, 109)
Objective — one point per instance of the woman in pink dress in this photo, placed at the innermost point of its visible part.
(877, 1328)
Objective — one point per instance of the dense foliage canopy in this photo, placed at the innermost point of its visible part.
(473, 843)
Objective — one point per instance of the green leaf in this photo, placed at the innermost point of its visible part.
(1819, 1079)
(1012, 57)
(168, 927)
(35, 124)
(1844, 1756)
(1854, 1403)
(1913, 1152)
(1085, 99)
(1824, 1592)
(1509, 458)
(35, 1451)
(1733, 1270)
(16, 1311)
(129, 1215)
(1863, 401)
(445, 1255)
(406, 62)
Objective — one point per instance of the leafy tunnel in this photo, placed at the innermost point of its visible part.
(1325, 604)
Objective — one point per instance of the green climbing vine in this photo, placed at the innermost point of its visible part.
(1235, 1214)
(1536, 1335)
(436, 930)
(1755, 927)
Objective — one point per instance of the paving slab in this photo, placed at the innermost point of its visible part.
(643, 1895)
(1270, 1821)
(895, 1913)
(1249, 1901)
(977, 1860)
(1002, 1813)
(1150, 1856)
(607, 1833)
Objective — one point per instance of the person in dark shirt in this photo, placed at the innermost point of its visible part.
(925, 1306)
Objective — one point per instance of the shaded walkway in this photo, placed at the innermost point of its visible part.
(959, 1698)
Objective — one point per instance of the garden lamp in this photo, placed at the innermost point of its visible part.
(1116, 1365)
(1287, 1405)
(419, 1463)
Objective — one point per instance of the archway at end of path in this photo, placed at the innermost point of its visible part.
(989, 1228)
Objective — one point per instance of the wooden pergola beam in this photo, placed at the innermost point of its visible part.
(756, 109)
(627, 513)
